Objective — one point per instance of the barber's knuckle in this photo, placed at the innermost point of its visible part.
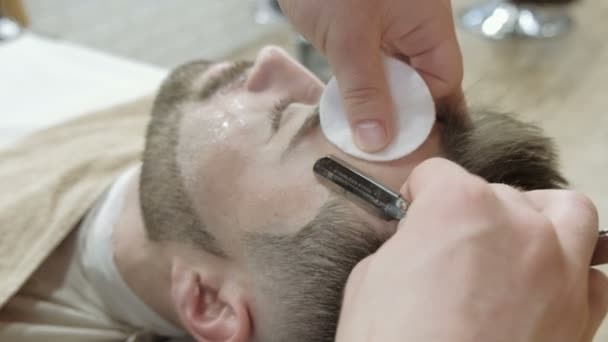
(420, 169)
(451, 180)
(581, 204)
(431, 166)
(361, 95)
(345, 41)
(436, 161)
(428, 168)
(358, 273)
(362, 266)
(541, 242)
(475, 191)
(501, 187)
(541, 229)
(471, 195)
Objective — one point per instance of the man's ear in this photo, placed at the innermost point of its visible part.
(210, 312)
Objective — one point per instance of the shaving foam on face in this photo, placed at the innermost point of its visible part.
(414, 114)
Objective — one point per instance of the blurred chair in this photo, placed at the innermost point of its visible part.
(11, 16)
(500, 19)
(268, 12)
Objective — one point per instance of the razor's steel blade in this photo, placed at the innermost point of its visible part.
(387, 204)
(377, 197)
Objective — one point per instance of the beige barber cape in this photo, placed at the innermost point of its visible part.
(48, 183)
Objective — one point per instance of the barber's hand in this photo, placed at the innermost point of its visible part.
(355, 34)
(474, 261)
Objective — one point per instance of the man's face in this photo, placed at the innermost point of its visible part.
(248, 143)
(228, 172)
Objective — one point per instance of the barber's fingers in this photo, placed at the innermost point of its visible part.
(510, 195)
(356, 278)
(574, 218)
(357, 61)
(439, 176)
(598, 303)
(431, 48)
(440, 67)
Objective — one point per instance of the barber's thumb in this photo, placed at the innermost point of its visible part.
(366, 98)
(436, 175)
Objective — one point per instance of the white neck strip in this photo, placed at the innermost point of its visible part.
(97, 256)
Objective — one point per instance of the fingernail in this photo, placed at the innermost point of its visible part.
(370, 135)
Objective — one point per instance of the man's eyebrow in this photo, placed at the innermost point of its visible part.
(228, 75)
(310, 123)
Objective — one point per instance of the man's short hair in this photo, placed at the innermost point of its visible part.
(300, 277)
(168, 211)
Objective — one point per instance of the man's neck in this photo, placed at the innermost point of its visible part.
(139, 260)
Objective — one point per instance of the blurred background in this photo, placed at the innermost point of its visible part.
(546, 60)
(168, 33)
(163, 33)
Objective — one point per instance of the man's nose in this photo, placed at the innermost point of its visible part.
(274, 70)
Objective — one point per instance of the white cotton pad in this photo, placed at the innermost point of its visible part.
(414, 114)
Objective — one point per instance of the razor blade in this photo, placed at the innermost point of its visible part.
(374, 196)
(362, 189)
